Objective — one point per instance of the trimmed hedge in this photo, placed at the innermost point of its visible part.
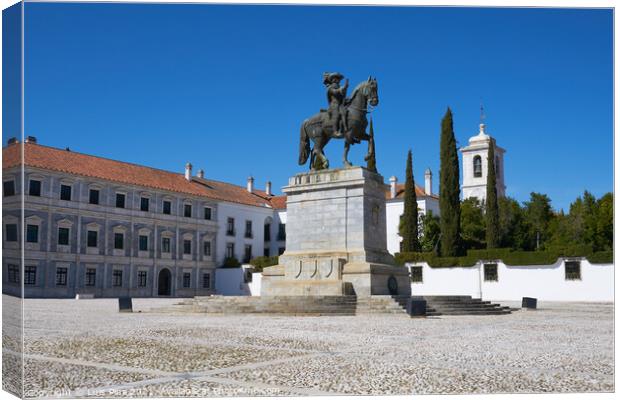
(262, 262)
(508, 256)
(231, 262)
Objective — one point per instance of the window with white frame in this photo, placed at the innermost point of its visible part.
(8, 188)
(34, 187)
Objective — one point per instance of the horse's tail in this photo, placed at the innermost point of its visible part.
(304, 144)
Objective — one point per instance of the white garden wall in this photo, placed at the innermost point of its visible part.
(544, 282)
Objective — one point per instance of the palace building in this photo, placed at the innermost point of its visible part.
(107, 228)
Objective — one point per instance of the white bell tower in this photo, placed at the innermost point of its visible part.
(475, 166)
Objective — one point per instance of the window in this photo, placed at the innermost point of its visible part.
(206, 249)
(248, 229)
(206, 281)
(247, 255)
(281, 232)
(144, 243)
(187, 246)
(30, 275)
(490, 272)
(8, 188)
(267, 232)
(165, 245)
(119, 238)
(141, 278)
(91, 239)
(93, 196)
(120, 200)
(167, 207)
(11, 232)
(61, 276)
(230, 250)
(230, 227)
(416, 274)
(144, 204)
(117, 278)
(477, 167)
(266, 251)
(63, 236)
(91, 275)
(187, 279)
(34, 188)
(32, 233)
(65, 192)
(13, 270)
(572, 270)
(187, 210)
(207, 212)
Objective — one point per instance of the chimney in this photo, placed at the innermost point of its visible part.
(201, 173)
(393, 181)
(268, 188)
(188, 171)
(250, 184)
(428, 182)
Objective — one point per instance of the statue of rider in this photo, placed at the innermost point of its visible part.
(335, 97)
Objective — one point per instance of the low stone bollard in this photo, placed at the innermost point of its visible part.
(125, 304)
(529, 303)
(416, 307)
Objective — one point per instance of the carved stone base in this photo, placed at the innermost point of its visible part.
(336, 238)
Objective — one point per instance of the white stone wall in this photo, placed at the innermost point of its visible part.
(544, 282)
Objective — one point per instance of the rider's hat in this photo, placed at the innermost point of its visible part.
(331, 77)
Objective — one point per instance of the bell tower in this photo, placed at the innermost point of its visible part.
(475, 163)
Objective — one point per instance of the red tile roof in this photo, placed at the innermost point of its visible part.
(279, 202)
(126, 173)
(400, 192)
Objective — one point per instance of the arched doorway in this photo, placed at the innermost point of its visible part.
(164, 282)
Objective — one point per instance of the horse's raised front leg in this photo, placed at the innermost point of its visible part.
(345, 160)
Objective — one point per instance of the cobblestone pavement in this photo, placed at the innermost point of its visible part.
(77, 348)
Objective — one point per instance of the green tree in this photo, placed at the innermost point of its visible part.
(492, 211)
(538, 215)
(449, 189)
(605, 223)
(472, 224)
(430, 232)
(512, 226)
(409, 220)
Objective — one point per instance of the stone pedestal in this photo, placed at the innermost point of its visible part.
(336, 238)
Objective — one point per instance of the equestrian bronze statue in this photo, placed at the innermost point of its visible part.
(344, 119)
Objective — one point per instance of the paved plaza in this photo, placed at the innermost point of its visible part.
(86, 348)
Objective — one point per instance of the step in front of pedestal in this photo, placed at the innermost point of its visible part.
(462, 305)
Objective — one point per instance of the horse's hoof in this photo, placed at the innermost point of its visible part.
(347, 164)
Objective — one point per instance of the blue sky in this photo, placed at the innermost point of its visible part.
(226, 87)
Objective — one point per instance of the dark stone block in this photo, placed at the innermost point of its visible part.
(416, 307)
(125, 304)
(529, 302)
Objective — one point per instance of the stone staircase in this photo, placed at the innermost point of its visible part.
(461, 305)
(333, 305)
(287, 305)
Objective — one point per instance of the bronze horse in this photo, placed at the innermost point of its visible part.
(318, 129)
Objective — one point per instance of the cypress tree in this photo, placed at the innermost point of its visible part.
(449, 190)
(409, 221)
(492, 209)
